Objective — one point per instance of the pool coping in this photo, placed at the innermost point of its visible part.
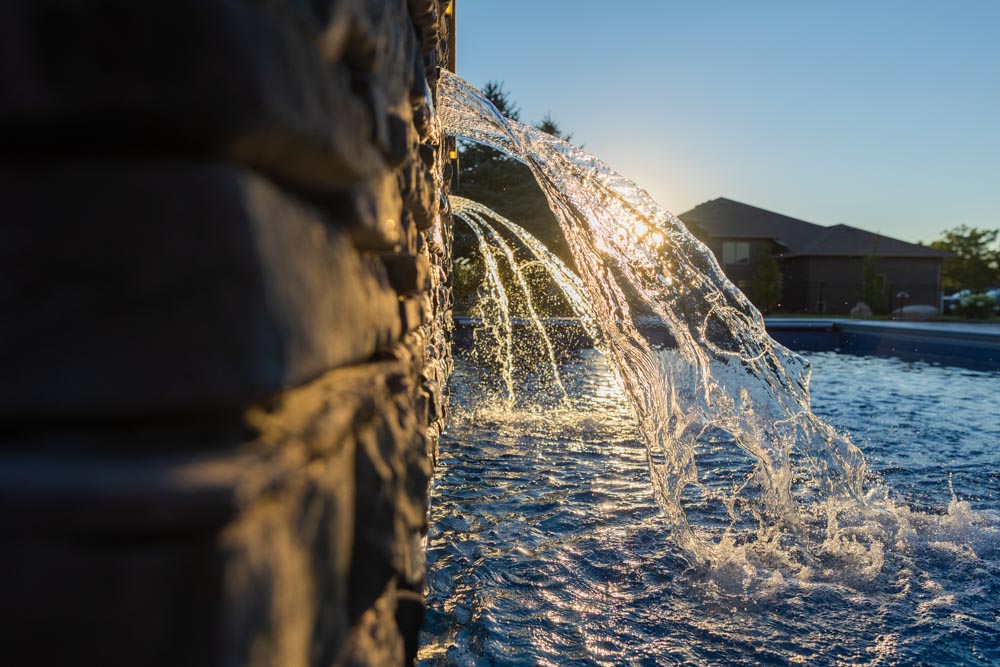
(987, 332)
(969, 345)
(983, 334)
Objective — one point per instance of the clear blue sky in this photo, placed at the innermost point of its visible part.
(881, 115)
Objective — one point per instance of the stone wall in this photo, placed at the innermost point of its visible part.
(224, 258)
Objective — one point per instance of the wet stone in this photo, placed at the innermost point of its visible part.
(215, 403)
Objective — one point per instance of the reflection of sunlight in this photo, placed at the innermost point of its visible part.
(885, 649)
(639, 227)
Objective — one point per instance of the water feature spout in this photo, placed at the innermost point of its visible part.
(725, 373)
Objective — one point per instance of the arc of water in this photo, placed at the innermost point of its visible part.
(725, 370)
(497, 288)
(671, 460)
(533, 317)
(564, 277)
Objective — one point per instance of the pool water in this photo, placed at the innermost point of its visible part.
(546, 545)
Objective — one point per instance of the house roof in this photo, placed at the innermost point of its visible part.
(725, 218)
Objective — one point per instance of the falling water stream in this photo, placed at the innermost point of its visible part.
(753, 488)
(482, 230)
(495, 310)
(725, 372)
(567, 281)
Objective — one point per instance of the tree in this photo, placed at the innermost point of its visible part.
(495, 93)
(767, 283)
(507, 186)
(550, 126)
(976, 262)
(872, 287)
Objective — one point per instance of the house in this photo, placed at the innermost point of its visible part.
(822, 267)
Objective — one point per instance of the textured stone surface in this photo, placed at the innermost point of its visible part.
(408, 274)
(375, 209)
(426, 16)
(375, 639)
(85, 603)
(224, 267)
(202, 77)
(162, 287)
(414, 311)
(265, 552)
(420, 192)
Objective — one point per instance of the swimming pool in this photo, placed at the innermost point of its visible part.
(546, 545)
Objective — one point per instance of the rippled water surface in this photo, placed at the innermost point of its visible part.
(546, 545)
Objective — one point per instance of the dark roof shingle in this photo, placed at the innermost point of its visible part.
(725, 218)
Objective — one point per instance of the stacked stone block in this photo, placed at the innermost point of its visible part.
(223, 272)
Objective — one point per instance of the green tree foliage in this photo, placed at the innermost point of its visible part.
(550, 126)
(507, 186)
(767, 283)
(976, 306)
(976, 264)
(872, 288)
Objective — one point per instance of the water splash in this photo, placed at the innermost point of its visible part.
(480, 227)
(493, 308)
(546, 541)
(802, 490)
(567, 281)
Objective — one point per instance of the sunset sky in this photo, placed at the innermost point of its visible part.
(881, 115)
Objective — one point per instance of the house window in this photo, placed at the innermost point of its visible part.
(735, 252)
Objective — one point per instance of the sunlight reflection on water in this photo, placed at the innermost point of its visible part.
(547, 547)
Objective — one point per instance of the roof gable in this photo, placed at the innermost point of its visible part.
(725, 218)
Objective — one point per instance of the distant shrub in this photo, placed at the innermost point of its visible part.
(975, 306)
(861, 309)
